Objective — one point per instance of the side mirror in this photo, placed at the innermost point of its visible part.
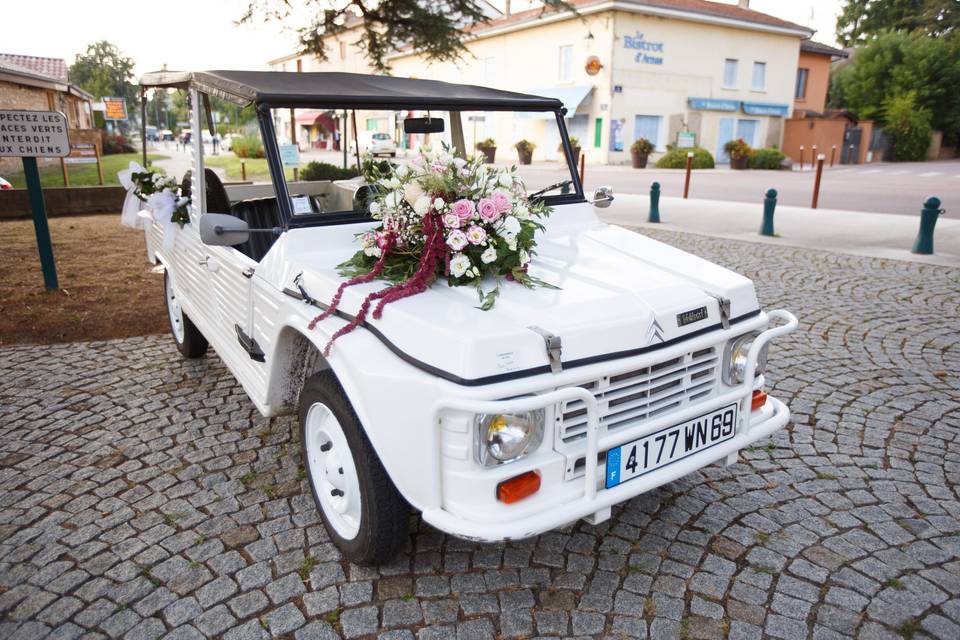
(602, 197)
(223, 230)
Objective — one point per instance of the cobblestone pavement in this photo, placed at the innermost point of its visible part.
(142, 495)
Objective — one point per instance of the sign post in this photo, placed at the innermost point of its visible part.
(29, 135)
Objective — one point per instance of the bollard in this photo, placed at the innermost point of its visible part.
(686, 180)
(816, 181)
(769, 204)
(654, 215)
(583, 166)
(833, 154)
(243, 170)
(928, 220)
(801, 157)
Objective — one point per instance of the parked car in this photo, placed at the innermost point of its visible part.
(376, 144)
(5, 185)
(645, 364)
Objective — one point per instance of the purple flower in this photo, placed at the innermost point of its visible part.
(502, 201)
(463, 209)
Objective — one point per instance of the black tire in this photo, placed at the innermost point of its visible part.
(385, 515)
(193, 344)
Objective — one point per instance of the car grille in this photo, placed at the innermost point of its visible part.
(626, 398)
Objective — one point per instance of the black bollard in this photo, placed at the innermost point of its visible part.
(769, 204)
(654, 203)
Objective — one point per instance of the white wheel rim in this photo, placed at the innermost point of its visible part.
(332, 472)
(174, 311)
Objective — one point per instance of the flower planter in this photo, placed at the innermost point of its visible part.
(490, 153)
(739, 163)
(576, 154)
(639, 159)
(526, 157)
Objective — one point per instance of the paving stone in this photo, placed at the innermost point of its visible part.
(316, 630)
(481, 629)
(359, 622)
(284, 619)
(249, 603)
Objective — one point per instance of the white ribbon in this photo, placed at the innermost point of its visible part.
(163, 204)
(130, 214)
(159, 207)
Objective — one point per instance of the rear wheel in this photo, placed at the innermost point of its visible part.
(366, 516)
(190, 342)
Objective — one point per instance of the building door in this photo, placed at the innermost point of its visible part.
(747, 130)
(725, 136)
(850, 154)
(647, 127)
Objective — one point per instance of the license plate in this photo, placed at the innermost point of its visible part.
(659, 449)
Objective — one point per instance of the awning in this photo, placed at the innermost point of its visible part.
(322, 119)
(571, 97)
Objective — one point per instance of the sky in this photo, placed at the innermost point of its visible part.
(201, 34)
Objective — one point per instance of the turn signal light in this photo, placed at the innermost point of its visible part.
(519, 487)
(759, 399)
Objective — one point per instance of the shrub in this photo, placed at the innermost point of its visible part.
(908, 127)
(489, 143)
(766, 159)
(677, 159)
(642, 146)
(314, 171)
(116, 143)
(525, 146)
(574, 143)
(737, 149)
(247, 147)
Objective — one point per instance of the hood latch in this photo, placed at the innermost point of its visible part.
(554, 348)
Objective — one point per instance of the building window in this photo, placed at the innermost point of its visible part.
(801, 91)
(730, 73)
(566, 63)
(759, 76)
(647, 127)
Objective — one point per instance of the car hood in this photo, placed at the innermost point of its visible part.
(618, 291)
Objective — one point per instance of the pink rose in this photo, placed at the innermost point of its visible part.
(456, 240)
(501, 200)
(488, 209)
(476, 235)
(463, 209)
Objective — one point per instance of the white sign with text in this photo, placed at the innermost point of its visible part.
(38, 134)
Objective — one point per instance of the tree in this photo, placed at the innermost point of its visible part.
(900, 63)
(862, 19)
(907, 126)
(435, 28)
(104, 71)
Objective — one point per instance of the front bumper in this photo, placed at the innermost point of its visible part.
(595, 502)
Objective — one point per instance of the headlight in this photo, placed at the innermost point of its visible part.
(508, 436)
(735, 359)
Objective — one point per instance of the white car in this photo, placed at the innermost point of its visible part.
(376, 144)
(644, 365)
(4, 185)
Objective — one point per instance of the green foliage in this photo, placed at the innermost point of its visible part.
(642, 146)
(574, 143)
(248, 147)
(438, 30)
(488, 143)
(861, 19)
(677, 159)
(105, 72)
(766, 159)
(907, 126)
(325, 171)
(737, 148)
(900, 63)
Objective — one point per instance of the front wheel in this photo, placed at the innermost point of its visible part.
(366, 516)
(190, 342)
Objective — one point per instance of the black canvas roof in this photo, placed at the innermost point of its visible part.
(345, 90)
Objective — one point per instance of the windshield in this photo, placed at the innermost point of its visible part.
(327, 153)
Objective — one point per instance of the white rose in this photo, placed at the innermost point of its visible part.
(456, 239)
(460, 163)
(509, 227)
(422, 205)
(401, 171)
(459, 264)
(505, 179)
(393, 199)
(521, 211)
(438, 204)
(489, 255)
(374, 208)
(412, 192)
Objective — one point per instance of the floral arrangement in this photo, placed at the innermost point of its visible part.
(161, 192)
(442, 216)
(737, 148)
(642, 146)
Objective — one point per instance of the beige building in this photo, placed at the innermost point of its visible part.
(672, 71)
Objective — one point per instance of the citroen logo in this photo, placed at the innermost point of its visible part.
(654, 332)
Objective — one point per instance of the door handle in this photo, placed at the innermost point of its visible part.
(211, 264)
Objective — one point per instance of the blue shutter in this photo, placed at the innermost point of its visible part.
(726, 135)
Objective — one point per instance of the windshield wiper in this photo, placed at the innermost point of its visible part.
(559, 185)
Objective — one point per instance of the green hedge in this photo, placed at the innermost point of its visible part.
(766, 159)
(677, 159)
(314, 171)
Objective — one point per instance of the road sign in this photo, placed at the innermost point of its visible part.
(34, 134)
(686, 140)
(29, 135)
(114, 109)
(290, 155)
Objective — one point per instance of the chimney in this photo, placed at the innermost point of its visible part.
(744, 4)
